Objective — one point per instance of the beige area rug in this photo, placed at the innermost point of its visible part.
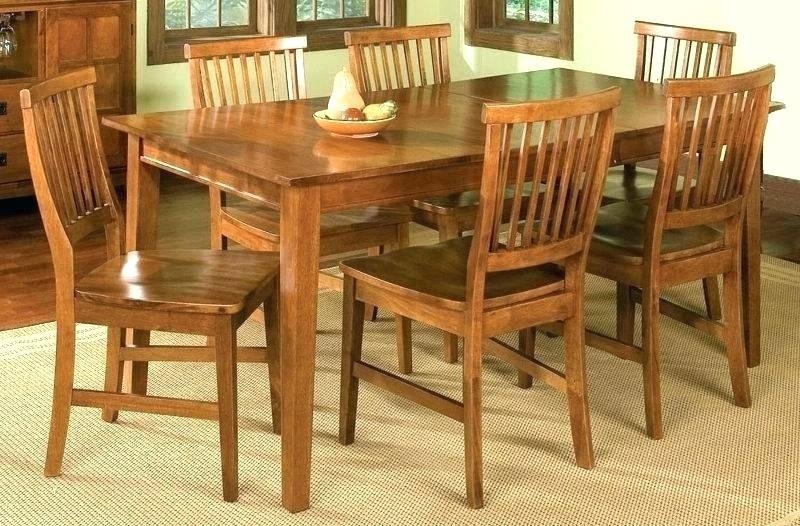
(717, 465)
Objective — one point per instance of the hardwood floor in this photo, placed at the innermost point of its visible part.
(26, 272)
(26, 269)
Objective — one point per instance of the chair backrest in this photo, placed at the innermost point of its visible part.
(721, 122)
(70, 176)
(246, 70)
(666, 51)
(564, 150)
(393, 58)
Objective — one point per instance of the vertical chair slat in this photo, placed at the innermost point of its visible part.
(423, 74)
(261, 80)
(398, 70)
(536, 181)
(691, 169)
(248, 99)
(412, 81)
(220, 83)
(61, 130)
(288, 64)
(519, 184)
(300, 73)
(402, 56)
(437, 74)
(718, 143)
(73, 209)
(566, 178)
(386, 69)
(89, 189)
(550, 186)
(273, 60)
(444, 59)
(233, 80)
(599, 141)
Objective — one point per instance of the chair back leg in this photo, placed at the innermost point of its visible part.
(711, 293)
(449, 229)
(62, 393)
(273, 330)
(575, 374)
(626, 311)
(114, 368)
(473, 435)
(734, 335)
(651, 370)
(217, 201)
(527, 346)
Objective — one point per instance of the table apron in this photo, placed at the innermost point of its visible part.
(353, 193)
(211, 174)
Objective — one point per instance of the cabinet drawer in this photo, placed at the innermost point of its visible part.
(10, 109)
(13, 158)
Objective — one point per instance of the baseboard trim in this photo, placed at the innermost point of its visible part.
(781, 193)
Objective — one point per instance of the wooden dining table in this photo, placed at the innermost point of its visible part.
(275, 154)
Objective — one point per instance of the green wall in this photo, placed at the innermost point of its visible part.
(603, 43)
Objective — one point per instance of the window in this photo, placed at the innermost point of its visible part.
(172, 22)
(537, 27)
(324, 21)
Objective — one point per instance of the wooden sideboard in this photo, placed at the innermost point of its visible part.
(55, 36)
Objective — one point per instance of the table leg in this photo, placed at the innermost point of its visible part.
(299, 259)
(751, 270)
(142, 193)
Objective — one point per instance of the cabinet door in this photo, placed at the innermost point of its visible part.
(99, 35)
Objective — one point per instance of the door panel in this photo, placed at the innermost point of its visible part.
(98, 35)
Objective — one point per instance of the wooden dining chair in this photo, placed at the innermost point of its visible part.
(663, 52)
(190, 291)
(692, 226)
(395, 58)
(267, 69)
(489, 284)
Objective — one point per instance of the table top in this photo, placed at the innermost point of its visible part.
(437, 126)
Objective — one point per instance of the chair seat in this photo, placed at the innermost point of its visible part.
(267, 221)
(634, 187)
(620, 230)
(463, 202)
(195, 281)
(438, 274)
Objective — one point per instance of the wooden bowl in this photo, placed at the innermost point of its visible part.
(352, 129)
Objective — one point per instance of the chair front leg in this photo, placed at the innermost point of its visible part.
(352, 341)
(62, 393)
(114, 368)
(225, 346)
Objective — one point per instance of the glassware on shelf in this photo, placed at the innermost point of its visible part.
(8, 38)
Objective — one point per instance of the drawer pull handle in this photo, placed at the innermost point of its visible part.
(3, 108)
(3, 159)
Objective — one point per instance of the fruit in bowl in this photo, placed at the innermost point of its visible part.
(353, 114)
(347, 114)
(379, 112)
(373, 112)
